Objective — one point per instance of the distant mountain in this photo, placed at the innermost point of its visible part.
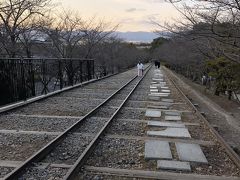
(139, 36)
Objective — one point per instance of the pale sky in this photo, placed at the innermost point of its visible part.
(132, 15)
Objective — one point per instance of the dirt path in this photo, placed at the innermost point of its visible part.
(222, 114)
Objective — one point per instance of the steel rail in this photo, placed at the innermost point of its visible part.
(71, 174)
(233, 156)
(50, 146)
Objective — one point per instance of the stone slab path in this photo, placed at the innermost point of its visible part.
(173, 118)
(173, 165)
(171, 127)
(153, 113)
(165, 124)
(171, 132)
(155, 150)
(190, 152)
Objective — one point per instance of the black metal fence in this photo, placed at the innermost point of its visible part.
(21, 79)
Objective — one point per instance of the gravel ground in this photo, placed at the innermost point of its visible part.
(91, 125)
(15, 147)
(121, 96)
(43, 174)
(136, 97)
(69, 150)
(89, 95)
(4, 171)
(142, 92)
(219, 163)
(94, 176)
(35, 123)
(119, 153)
(204, 135)
(114, 102)
(130, 128)
(106, 85)
(85, 89)
(105, 112)
(131, 114)
(71, 101)
(190, 118)
(136, 104)
(180, 107)
(60, 106)
(55, 110)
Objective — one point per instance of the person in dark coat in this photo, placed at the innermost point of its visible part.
(156, 63)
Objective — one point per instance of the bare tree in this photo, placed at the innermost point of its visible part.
(213, 22)
(66, 32)
(97, 32)
(13, 15)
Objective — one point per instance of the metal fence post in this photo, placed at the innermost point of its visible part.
(93, 69)
(23, 88)
(60, 73)
(32, 77)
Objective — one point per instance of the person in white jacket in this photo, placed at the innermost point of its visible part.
(140, 68)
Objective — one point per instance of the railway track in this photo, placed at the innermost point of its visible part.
(67, 141)
(122, 150)
(35, 123)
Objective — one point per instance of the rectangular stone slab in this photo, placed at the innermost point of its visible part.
(165, 124)
(153, 87)
(157, 79)
(173, 118)
(158, 85)
(157, 150)
(160, 94)
(165, 91)
(171, 132)
(154, 98)
(167, 100)
(158, 74)
(172, 113)
(153, 113)
(153, 90)
(173, 165)
(190, 152)
(157, 107)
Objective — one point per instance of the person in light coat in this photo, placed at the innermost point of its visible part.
(140, 68)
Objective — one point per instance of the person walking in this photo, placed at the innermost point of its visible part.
(158, 64)
(140, 68)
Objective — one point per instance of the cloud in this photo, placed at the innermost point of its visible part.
(127, 20)
(134, 9)
(131, 10)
